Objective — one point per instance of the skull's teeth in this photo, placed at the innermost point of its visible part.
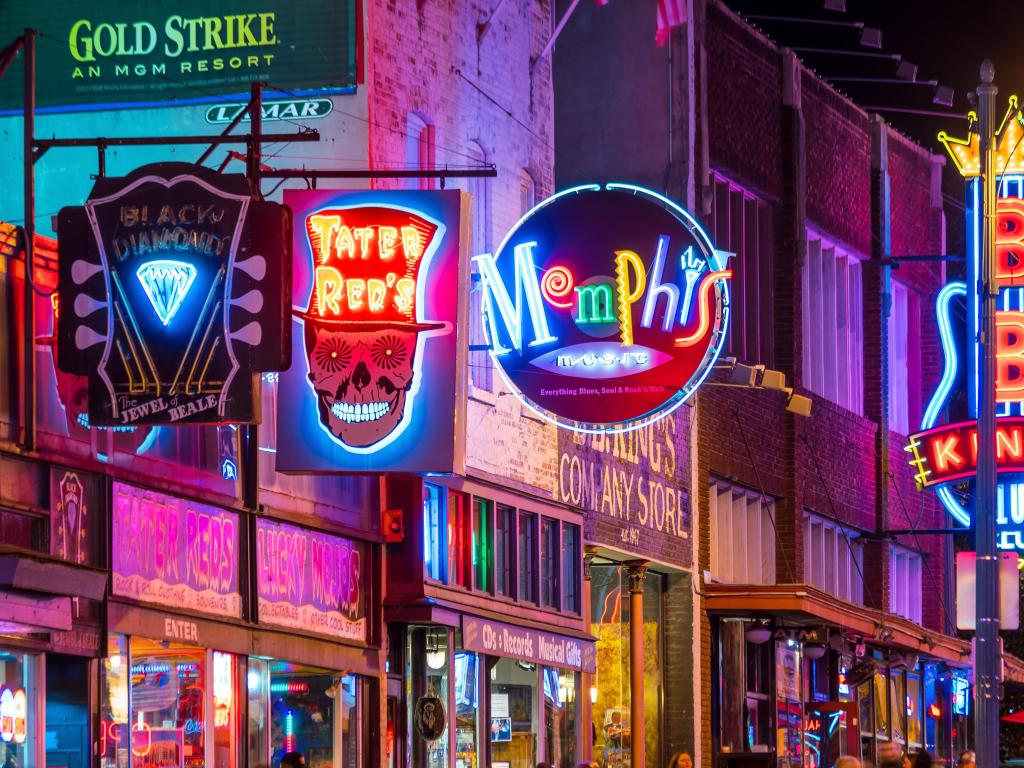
(358, 412)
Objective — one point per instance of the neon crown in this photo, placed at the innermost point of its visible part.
(1009, 154)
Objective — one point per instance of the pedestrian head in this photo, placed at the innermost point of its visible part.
(890, 755)
(681, 760)
(967, 760)
(848, 761)
(293, 760)
(922, 759)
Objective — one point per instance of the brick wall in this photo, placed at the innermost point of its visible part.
(427, 58)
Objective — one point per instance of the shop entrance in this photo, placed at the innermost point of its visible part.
(831, 730)
(67, 711)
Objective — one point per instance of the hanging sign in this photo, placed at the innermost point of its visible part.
(310, 580)
(375, 383)
(944, 453)
(178, 553)
(174, 293)
(605, 307)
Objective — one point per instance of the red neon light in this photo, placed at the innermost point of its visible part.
(705, 310)
(934, 711)
(1010, 356)
(141, 728)
(557, 285)
(950, 452)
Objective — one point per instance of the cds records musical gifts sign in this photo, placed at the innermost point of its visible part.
(375, 383)
(174, 284)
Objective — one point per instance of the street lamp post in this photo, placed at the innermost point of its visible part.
(987, 657)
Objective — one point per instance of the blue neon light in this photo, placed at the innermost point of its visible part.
(166, 283)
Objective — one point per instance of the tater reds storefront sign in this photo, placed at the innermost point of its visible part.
(177, 553)
(310, 580)
(374, 385)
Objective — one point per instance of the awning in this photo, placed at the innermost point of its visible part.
(36, 590)
(802, 603)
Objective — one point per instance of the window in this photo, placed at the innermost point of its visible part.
(527, 192)
(904, 358)
(527, 557)
(833, 325)
(905, 583)
(833, 559)
(742, 224)
(481, 366)
(433, 532)
(420, 149)
(570, 567)
(550, 545)
(482, 543)
(460, 540)
(505, 551)
(742, 535)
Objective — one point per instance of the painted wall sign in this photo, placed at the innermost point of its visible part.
(310, 580)
(377, 348)
(634, 487)
(605, 306)
(178, 553)
(944, 453)
(72, 515)
(174, 286)
(125, 52)
(535, 646)
(273, 109)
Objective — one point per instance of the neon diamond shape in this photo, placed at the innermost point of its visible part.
(166, 283)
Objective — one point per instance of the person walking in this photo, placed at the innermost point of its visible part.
(681, 760)
(293, 760)
(848, 761)
(967, 760)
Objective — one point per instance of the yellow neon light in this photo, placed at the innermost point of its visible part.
(628, 297)
(918, 462)
(1009, 153)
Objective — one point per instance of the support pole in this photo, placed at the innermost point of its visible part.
(250, 432)
(637, 742)
(589, 679)
(987, 657)
(29, 328)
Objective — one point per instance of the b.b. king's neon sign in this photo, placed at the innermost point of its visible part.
(944, 453)
(605, 307)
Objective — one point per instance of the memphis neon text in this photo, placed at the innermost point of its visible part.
(600, 299)
(949, 453)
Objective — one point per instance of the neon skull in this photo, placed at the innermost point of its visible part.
(361, 380)
(361, 326)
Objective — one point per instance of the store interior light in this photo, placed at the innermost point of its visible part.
(814, 651)
(435, 659)
(253, 679)
(593, 694)
(759, 633)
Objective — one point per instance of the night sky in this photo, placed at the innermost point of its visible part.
(947, 40)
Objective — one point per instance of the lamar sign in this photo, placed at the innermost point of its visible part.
(605, 307)
(174, 284)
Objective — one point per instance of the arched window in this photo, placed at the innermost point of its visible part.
(527, 191)
(479, 188)
(420, 149)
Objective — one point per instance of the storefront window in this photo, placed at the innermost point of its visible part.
(610, 609)
(527, 557)
(114, 732)
(505, 551)
(460, 531)
(482, 544)
(560, 717)
(789, 703)
(467, 709)
(296, 708)
(515, 722)
(433, 532)
(167, 704)
(898, 704)
(18, 709)
(881, 707)
(427, 675)
(549, 550)
(914, 713)
(570, 567)
(225, 708)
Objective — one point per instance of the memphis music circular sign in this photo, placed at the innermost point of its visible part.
(605, 307)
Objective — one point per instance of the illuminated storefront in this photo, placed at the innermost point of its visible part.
(487, 647)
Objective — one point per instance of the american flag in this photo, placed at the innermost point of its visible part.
(671, 13)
